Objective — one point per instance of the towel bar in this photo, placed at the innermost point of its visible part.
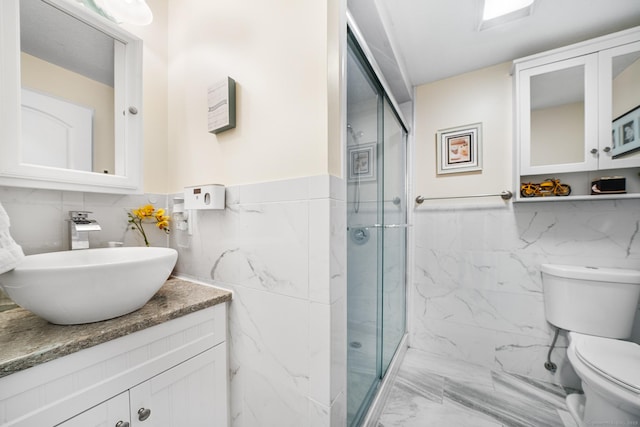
(506, 195)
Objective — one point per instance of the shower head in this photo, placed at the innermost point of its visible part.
(354, 135)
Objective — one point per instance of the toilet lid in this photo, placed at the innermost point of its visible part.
(615, 359)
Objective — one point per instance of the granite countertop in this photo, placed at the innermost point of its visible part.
(27, 340)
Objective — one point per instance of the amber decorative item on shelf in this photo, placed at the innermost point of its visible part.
(548, 187)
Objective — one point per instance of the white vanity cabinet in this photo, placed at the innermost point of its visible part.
(113, 412)
(170, 375)
(191, 394)
(567, 102)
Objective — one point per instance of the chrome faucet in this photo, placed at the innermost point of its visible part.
(79, 227)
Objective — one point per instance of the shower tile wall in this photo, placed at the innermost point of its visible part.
(477, 293)
(280, 247)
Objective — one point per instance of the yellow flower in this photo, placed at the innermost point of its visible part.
(148, 210)
(161, 218)
(137, 216)
(144, 211)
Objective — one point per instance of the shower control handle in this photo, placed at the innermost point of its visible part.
(360, 235)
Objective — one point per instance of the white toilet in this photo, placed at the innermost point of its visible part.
(597, 306)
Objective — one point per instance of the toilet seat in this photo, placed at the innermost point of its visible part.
(615, 360)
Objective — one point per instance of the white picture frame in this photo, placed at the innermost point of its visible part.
(362, 162)
(459, 149)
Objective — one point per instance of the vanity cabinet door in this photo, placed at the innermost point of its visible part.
(558, 116)
(193, 393)
(112, 413)
(619, 70)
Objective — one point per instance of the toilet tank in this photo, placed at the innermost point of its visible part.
(591, 300)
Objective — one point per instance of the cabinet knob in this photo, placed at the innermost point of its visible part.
(133, 110)
(143, 414)
(606, 149)
(122, 424)
(594, 150)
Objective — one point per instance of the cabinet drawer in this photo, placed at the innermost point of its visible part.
(193, 393)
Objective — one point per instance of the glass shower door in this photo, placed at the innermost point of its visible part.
(376, 225)
(363, 239)
(394, 238)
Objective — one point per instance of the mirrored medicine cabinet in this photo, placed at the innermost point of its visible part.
(577, 115)
(70, 99)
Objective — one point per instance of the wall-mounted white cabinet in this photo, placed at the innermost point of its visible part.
(575, 113)
(83, 130)
(173, 374)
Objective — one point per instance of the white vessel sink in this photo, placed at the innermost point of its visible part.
(90, 285)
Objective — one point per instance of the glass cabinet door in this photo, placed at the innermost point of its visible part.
(619, 107)
(558, 117)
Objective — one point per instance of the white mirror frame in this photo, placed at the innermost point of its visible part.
(128, 132)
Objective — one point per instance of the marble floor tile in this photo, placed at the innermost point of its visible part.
(407, 409)
(425, 384)
(420, 361)
(464, 394)
(550, 395)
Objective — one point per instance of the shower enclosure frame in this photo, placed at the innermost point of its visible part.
(376, 394)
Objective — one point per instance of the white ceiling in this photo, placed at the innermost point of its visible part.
(435, 39)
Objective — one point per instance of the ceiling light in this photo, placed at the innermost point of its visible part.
(135, 12)
(496, 12)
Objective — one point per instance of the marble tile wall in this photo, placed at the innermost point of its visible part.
(38, 217)
(280, 247)
(477, 293)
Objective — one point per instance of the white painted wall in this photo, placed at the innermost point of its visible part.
(284, 59)
(475, 97)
